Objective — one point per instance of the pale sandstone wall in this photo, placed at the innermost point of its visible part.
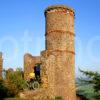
(29, 64)
(58, 60)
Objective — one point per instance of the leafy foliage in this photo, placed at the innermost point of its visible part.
(91, 79)
(13, 83)
(16, 77)
(3, 90)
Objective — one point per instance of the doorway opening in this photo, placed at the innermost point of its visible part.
(37, 71)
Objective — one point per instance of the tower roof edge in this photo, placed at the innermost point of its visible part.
(58, 6)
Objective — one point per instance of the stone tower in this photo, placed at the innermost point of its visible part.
(1, 65)
(58, 60)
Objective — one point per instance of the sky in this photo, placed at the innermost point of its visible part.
(22, 29)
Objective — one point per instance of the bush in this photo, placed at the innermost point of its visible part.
(3, 90)
(12, 84)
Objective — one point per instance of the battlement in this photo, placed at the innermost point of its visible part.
(59, 8)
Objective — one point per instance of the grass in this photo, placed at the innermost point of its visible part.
(57, 98)
(13, 99)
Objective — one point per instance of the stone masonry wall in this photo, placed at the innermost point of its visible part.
(29, 64)
(58, 60)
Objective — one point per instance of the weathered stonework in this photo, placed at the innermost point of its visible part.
(1, 65)
(29, 64)
(58, 59)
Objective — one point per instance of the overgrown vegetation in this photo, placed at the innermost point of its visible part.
(91, 84)
(12, 84)
(88, 86)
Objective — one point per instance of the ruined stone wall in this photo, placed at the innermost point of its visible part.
(58, 60)
(29, 64)
(1, 65)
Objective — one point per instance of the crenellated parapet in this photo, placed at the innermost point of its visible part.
(60, 9)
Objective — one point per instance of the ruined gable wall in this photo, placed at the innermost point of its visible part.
(29, 63)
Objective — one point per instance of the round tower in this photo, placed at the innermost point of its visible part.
(58, 59)
(59, 28)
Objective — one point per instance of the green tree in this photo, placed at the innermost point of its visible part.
(91, 79)
(14, 82)
(16, 77)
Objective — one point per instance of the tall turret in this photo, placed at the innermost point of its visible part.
(58, 60)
